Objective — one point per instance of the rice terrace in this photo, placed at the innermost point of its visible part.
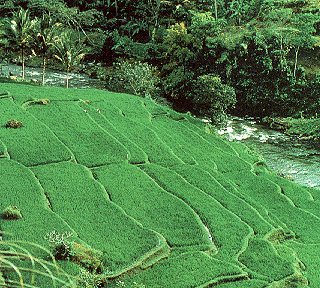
(134, 194)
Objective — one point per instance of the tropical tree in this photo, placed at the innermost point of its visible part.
(212, 98)
(19, 32)
(69, 50)
(135, 78)
(47, 31)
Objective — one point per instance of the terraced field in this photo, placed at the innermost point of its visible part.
(161, 199)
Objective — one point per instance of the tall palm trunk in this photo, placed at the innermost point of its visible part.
(44, 63)
(67, 79)
(23, 64)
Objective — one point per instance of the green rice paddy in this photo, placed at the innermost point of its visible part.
(163, 200)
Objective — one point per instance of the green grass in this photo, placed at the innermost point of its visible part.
(262, 258)
(201, 149)
(166, 201)
(90, 144)
(3, 150)
(245, 284)
(193, 269)
(135, 154)
(20, 188)
(139, 133)
(270, 195)
(85, 205)
(33, 143)
(226, 229)
(153, 207)
(230, 198)
(309, 255)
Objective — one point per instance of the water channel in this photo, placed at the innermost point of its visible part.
(286, 155)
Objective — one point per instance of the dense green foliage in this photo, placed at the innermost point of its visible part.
(139, 195)
(134, 78)
(266, 51)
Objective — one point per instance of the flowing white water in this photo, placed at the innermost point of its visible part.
(286, 155)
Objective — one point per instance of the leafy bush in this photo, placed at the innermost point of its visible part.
(14, 124)
(12, 213)
(176, 85)
(211, 97)
(135, 78)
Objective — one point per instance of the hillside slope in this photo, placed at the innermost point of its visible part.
(166, 202)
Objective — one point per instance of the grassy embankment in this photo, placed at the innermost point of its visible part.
(163, 202)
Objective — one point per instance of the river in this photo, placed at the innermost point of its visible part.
(53, 78)
(286, 155)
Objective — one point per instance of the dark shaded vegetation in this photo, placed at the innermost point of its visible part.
(266, 51)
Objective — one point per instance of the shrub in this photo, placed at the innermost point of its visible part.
(86, 256)
(66, 249)
(60, 243)
(211, 97)
(12, 213)
(42, 101)
(14, 124)
(88, 279)
(279, 236)
(134, 78)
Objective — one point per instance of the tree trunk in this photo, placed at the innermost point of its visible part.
(215, 9)
(67, 79)
(116, 7)
(44, 63)
(296, 63)
(23, 64)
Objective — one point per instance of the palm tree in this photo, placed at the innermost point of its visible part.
(19, 32)
(47, 31)
(69, 51)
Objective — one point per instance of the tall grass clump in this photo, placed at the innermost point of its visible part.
(64, 248)
(20, 268)
(11, 213)
(13, 123)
